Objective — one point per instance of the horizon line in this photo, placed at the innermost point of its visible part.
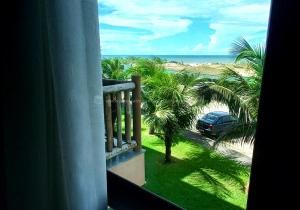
(165, 55)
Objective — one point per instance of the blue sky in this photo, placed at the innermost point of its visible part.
(180, 27)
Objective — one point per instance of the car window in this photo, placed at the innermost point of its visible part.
(210, 117)
(227, 119)
(221, 120)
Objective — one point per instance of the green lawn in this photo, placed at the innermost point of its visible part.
(197, 178)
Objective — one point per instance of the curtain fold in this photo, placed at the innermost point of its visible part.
(54, 128)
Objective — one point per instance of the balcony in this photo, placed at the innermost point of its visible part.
(124, 156)
(122, 104)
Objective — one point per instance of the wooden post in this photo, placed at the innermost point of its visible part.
(108, 123)
(119, 120)
(127, 117)
(136, 107)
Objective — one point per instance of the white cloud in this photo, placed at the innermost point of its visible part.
(189, 8)
(198, 47)
(212, 42)
(109, 35)
(156, 27)
(247, 20)
(251, 13)
(156, 19)
(203, 48)
(161, 18)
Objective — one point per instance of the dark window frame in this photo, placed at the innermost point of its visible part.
(273, 170)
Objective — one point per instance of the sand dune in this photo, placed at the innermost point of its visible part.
(208, 68)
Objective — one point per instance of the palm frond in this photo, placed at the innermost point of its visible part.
(241, 94)
(240, 45)
(233, 80)
(214, 92)
(159, 117)
(244, 133)
(113, 68)
(255, 56)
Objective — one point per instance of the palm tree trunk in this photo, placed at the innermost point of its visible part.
(168, 145)
(151, 130)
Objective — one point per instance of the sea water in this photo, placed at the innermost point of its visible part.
(186, 59)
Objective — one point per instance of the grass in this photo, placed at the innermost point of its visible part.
(197, 178)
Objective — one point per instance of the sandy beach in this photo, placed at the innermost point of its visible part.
(208, 68)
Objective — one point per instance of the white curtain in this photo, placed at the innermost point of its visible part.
(54, 131)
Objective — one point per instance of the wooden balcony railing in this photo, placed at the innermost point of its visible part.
(122, 97)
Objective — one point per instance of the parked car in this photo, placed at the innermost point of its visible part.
(216, 123)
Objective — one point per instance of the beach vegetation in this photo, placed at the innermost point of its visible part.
(169, 106)
(113, 68)
(240, 93)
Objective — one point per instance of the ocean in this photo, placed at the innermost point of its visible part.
(186, 59)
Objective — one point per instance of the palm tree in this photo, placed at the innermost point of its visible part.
(240, 93)
(147, 68)
(172, 105)
(113, 69)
